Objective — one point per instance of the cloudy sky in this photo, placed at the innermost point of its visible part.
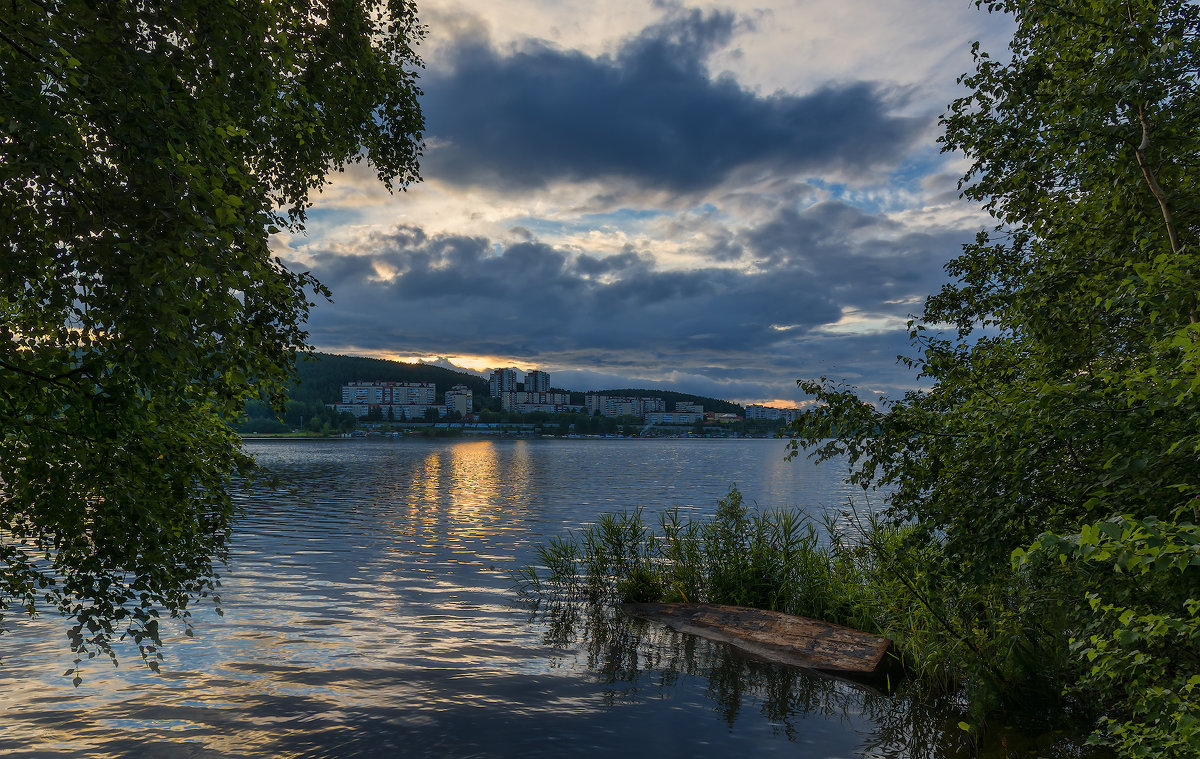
(714, 198)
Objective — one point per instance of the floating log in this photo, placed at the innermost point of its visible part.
(774, 636)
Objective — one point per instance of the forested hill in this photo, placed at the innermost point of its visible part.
(321, 376)
(671, 398)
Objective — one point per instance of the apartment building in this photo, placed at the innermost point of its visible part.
(389, 393)
(685, 413)
(460, 399)
(503, 381)
(771, 413)
(618, 405)
(394, 400)
(510, 401)
(537, 382)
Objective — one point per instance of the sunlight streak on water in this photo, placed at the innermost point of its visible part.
(367, 613)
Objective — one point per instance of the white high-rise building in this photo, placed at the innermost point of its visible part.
(389, 393)
(510, 401)
(460, 399)
(771, 413)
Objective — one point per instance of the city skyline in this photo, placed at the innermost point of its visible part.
(403, 400)
(713, 198)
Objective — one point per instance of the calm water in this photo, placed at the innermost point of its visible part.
(368, 613)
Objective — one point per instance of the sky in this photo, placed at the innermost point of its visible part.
(716, 198)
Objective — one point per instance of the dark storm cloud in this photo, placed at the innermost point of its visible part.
(651, 112)
(863, 260)
(626, 261)
(457, 294)
(747, 331)
(752, 332)
(866, 361)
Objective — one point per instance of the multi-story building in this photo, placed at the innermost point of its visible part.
(766, 413)
(510, 401)
(685, 413)
(502, 381)
(389, 393)
(394, 400)
(672, 417)
(460, 399)
(771, 413)
(618, 405)
(537, 382)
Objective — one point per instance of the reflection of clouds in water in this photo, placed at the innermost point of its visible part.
(362, 619)
(880, 717)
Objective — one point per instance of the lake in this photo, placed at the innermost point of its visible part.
(368, 612)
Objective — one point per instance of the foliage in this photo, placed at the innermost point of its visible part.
(863, 573)
(1143, 655)
(769, 560)
(1065, 401)
(146, 153)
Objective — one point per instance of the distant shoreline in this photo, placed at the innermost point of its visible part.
(494, 435)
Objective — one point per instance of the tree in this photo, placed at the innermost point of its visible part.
(1063, 420)
(148, 152)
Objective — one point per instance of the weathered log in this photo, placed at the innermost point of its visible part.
(774, 636)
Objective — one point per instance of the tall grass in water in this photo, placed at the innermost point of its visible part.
(780, 560)
(872, 575)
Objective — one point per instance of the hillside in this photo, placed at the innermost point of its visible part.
(671, 398)
(320, 377)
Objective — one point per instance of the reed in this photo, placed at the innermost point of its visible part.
(774, 559)
(857, 570)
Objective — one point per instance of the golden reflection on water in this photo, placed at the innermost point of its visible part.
(367, 613)
(459, 496)
(476, 482)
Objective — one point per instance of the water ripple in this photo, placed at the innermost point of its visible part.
(367, 614)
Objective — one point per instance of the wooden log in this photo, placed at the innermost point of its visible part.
(774, 636)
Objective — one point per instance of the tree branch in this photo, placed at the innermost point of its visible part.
(55, 380)
(1152, 181)
(19, 49)
(1157, 190)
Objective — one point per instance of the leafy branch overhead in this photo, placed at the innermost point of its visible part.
(147, 151)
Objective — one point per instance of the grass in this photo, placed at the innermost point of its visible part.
(867, 574)
(977, 645)
(780, 560)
